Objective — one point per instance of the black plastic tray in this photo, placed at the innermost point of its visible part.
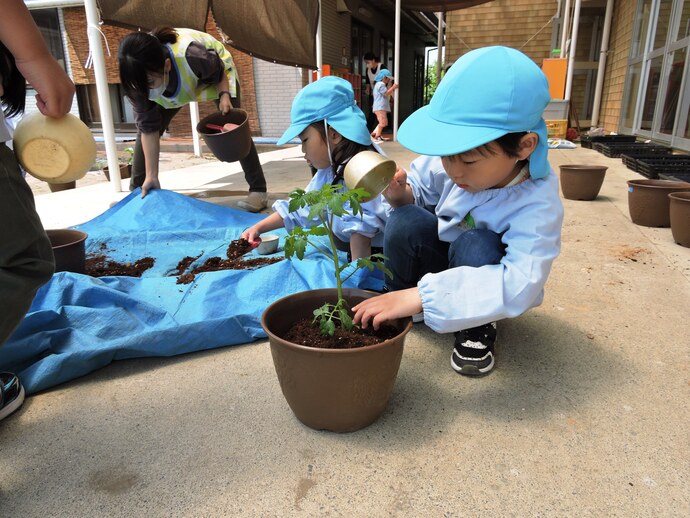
(673, 164)
(586, 141)
(680, 177)
(616, 149)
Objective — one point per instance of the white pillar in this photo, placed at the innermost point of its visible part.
(95, 46)
(319, 46)
(194, 116)
(564, 27)
(439, 44)
(602, 63)
(396, 71)
(572, 51)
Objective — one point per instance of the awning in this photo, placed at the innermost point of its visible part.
(279, 31)
(440, 5)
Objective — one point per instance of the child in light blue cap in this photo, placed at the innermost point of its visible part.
(333, 129)
(382, 101)
(476, 224)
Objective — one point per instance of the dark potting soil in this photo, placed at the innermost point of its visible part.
(184, 264)
(99, 265)
(214, 264)
(303, 332)
(238, 248)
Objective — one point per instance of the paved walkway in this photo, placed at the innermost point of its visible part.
(586, 414)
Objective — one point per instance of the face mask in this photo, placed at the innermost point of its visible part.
(155, 93)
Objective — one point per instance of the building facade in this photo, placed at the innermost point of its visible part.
(646, 88)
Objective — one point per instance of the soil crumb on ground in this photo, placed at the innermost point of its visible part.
(100, 266)
(629, 253)
(303, 332)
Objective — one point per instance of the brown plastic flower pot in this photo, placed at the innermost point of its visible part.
(125, 171)
(57, 187)
(229, 146)
(679, 212)
(648, 201)
(69, 249)
(582, 182)
(341, 390)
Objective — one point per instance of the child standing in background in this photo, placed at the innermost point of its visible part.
(382, 101)
(477, 222)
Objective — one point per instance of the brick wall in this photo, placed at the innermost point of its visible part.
(78, 49)
(276, 87)
(501, 22)
(616, 64)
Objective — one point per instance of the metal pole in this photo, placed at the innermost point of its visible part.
(93, 21)
(194, 115)
(396, 71)
(572, 51)
(602, 63)
(439, 43)
(564, 27)
(319, 46)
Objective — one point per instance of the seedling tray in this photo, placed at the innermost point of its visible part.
(672, 164)
(616, 149)
(680, 177)
(586, 141)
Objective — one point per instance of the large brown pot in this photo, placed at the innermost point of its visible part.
(57, 187)
(648, 201)
(125, 171)
(582, 182)
(69, 249)
(341, 390)
(679, 213)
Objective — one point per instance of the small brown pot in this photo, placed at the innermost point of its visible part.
(57, 187)
(341, 390)
(125, 171)
(69, 249)
(679, 212)
(648, 201)
(582, 182)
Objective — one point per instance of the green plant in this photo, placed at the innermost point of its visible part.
(129, 155)
(326, 204)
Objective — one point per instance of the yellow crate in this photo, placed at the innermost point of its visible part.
(556, 128)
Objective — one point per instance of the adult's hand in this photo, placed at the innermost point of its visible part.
(389, 306)
(149, 185)
(224, 104)
(54, 88)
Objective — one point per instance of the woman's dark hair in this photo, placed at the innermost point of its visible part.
(141, 53)
(13, 84)
(370, 55)
(509, 144)
(342, 151)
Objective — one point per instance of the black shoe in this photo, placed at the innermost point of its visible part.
(11, 394)
(473, 354)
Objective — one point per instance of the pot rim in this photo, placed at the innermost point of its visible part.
(582, 167)
(314, 350)
(680, 195)
(203, 131)
(655, 184)
(77, 234)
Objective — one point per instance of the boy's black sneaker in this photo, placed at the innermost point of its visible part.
(473, 354)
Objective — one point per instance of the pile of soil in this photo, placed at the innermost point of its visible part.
(303, 332)
(184, 264)
(214, 264)
(98, 265)
(238, 248)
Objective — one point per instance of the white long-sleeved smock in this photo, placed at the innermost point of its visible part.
(529, 216)
(370, 223)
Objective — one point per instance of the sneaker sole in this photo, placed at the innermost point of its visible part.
(471, 370)
(13, 405)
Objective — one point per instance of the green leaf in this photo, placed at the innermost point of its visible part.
(328, 327)
(345, 319)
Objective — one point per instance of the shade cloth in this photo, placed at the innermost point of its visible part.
(283, 31)
(78, 323)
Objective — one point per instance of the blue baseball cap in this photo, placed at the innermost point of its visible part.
(384, 72)
(486, 94)
(331, 99)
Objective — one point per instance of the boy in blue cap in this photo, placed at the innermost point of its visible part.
(485, 249)
(382, 101)
(333, 129)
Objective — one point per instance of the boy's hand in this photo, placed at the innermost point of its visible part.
(397, 192)
(389, 306)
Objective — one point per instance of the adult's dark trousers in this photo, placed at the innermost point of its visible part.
(251, 165)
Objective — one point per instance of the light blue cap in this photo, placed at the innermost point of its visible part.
(384, 72)
(486, 94)
(333, 99)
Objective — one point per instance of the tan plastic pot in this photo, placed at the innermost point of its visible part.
(582, 182)
(69, 249)
(341, 390)
(679, 212)
(648, 201)
(229, 146)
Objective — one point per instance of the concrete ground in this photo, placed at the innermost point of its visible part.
(586, 413)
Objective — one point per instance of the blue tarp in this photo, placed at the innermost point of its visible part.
(78, 323)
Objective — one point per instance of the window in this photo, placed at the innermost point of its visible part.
(49, 25)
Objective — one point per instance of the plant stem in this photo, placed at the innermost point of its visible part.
(334, 250)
